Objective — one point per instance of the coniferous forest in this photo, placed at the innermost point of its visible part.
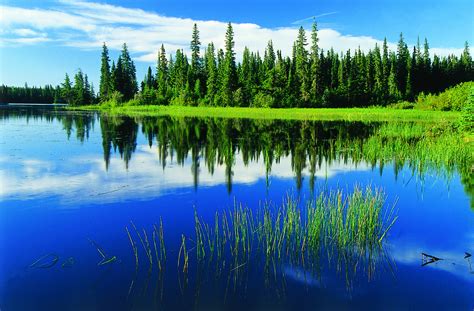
(310, 77)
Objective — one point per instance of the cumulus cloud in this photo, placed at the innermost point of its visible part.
(87, 25)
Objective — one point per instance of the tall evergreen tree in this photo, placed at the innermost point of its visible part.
(402, 65)
(162, 75)
(211, 71)
(196, 62)
(126, 73)
(105, 81)
(315, 66)
(78, 89)
(301, 66)
(229, 78)
(66, 90)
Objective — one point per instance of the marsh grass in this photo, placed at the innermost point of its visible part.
(347, 228)
(335, 221)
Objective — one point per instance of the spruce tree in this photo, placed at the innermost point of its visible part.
(211, 71)
(105, 82)
(302, 66)
(315, 66)
(127, 84)
(386, 67)
(195, 55)
(162, 75)
(402, 65)
(229, 78)
(66, 90)
(78, 89)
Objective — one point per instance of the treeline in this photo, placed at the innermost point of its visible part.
(310, 77)
(76, 92)
(26, 94)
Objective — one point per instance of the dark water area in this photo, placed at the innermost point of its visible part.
(73, 184)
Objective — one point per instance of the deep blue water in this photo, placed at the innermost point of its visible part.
(67, 177)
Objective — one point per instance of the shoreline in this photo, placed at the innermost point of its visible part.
(315, 114)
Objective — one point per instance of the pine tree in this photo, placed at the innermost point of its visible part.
(393, 91)
(386, 67)
(127, 83)
(229, 78)
(66, 90)
(466, 64)
(269, 57)
(196, 63)
(402, 65)
(301, 69)
(113, 78)
(378, 76)
(211, 71)
(105, 81)
(315, 66)
(78, 89)
(245, 77)
(149, 80)
(162, 76)
(426, 76)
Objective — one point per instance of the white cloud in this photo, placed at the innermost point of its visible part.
(26, 32)
(87, 25)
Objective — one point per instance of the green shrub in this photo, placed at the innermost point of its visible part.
(467, 120)
(262, 100)
(452, 99)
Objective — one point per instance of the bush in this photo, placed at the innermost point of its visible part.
(455, 98)
(115, 99)
(262, 100)
(467, 120)
(402, 105)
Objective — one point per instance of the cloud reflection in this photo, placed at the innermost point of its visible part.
(85, 179)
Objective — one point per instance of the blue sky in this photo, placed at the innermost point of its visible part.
(41, 40)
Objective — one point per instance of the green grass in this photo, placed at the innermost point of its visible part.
(349, 114)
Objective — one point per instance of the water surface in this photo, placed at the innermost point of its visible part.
(71, 177)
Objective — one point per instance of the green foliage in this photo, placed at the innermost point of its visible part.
(40, 95)
(467, 120)
(115, 99)
(262, 100)
(455, 98)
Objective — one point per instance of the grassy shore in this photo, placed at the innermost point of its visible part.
(348, 114)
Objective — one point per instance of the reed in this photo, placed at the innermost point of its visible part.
(335, 221)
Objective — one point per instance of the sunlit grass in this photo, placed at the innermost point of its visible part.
(348, 114)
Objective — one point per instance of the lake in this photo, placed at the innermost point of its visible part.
(103, 212)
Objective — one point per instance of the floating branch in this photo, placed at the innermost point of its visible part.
(428, 259)
(105, 259)
(46, 261)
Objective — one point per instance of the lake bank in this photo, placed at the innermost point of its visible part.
(322, 114)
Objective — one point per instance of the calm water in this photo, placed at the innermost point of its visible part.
(69, 178)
